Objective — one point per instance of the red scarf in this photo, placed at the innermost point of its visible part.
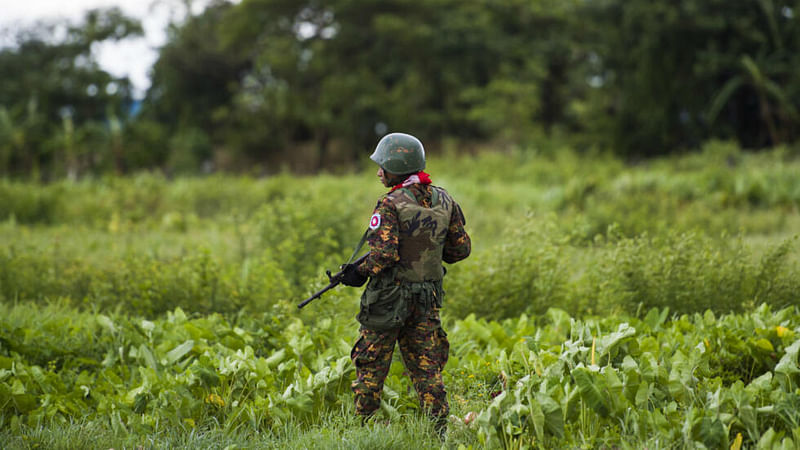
(419, 177)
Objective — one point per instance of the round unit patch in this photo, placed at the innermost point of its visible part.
(374, 221)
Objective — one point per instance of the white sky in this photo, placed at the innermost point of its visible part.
(132, 57)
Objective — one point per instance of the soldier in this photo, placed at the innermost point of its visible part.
(414, 227)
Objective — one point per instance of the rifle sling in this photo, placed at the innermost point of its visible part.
(358, 246)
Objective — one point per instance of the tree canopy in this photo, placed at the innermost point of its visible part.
(55, 100)
(308, 85)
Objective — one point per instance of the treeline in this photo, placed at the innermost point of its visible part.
(306, 85)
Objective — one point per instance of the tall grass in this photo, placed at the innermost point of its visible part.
(585, 233)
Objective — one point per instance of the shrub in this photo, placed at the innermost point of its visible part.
(527, 274)
(689, 272)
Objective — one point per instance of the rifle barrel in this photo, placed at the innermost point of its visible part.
(335, 280)
(318, 294)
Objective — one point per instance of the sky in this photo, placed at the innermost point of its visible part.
(132, 57)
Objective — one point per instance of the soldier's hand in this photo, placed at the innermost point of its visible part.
(351, 277)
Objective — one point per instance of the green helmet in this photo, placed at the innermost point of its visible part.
(399, 154)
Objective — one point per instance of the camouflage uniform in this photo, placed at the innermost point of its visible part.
(384, 242)
(423, 343)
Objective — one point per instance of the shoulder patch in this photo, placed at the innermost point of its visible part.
(374, 221)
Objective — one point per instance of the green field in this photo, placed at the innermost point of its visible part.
(605, 304)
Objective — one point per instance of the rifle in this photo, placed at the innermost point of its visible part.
(334, 281)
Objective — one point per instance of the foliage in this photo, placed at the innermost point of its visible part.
(585, 234)
(616, 382)
(144, 311)
(308, 86)
(688, 273)
(54, 97)
(675, 74)
(514, 277)
(690, 380)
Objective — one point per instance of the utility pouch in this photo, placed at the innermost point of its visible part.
(383, 303)
(426, 294)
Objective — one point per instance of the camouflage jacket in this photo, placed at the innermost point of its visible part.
(385, 235)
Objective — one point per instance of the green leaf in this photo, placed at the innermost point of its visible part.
(148, 357)
(722, 97)
(537, 418)
(788, 364)
(607, 343)
(276, 358)
(614, 388)
(178, 352)
(553, 415)
(105, 322)
(592, 390)
(648, 367)
(643, 395)
(710, 431)
(769, 440)
(25, 403)
(764, 344)
(300, 403)
(17, 388)
(655, 319)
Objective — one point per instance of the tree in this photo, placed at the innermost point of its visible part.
(52, 89)
(309, 82)
(677, 73)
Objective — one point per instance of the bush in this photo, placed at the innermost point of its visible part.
(527, 274)
(603, 237)
(146, 285)
(25, 205)
(690, 272)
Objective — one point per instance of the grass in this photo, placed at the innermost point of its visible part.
(337, 430)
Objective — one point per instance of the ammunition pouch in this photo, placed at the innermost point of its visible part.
(386, 301)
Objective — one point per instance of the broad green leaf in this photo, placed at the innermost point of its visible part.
(788, 364)
(176, 317)
(105, 322)
(710, 431)
(762, 383)
(631, 378)
(614, 388)
(553, 415)
(654, 319)
(643, 395)
(537, 418)
(592, 390)
(207, 375)
(148, 357)
(17, 388)
(178, 352)
(147, 326)
(606, 343)
(276, 357)
(559, 319)
(569, 402)
(769, 440)
(390, 410)
(679, 381)
(648, 367)
(25, 403)
(300, 344)
(764, 344)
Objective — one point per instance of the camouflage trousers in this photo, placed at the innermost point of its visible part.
(424, 347)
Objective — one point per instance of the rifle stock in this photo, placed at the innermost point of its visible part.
(335, 280)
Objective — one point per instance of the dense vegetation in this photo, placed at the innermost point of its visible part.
(260, 85)
(616, 297)
(652, 306)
